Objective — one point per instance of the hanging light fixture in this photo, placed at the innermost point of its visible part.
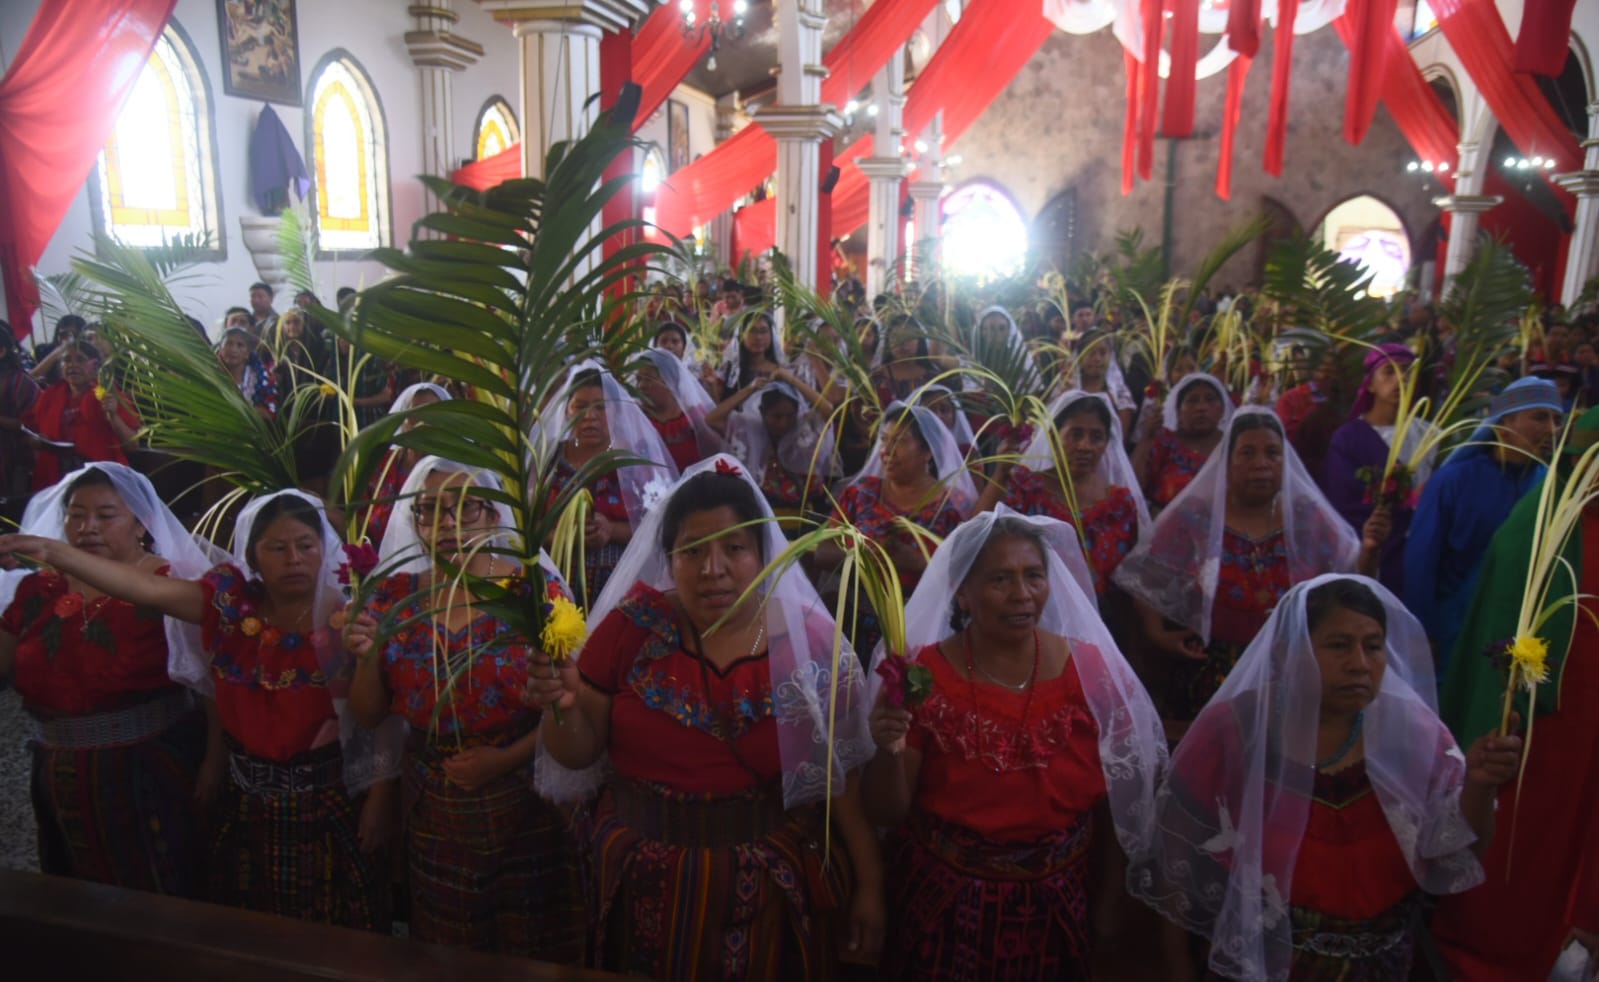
(713, 26)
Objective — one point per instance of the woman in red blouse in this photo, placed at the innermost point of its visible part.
(708, 834)
(1195, 414)
(295, 834)
(116, 761)
(97, 421)
(491, 864)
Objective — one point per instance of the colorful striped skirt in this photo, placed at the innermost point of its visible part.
(963, 908)
(494, 869)
(1331, 949)
(702, 888)
(296, 853)
(123, 815)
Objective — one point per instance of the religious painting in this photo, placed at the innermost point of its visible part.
(260, 49)
(676, 135)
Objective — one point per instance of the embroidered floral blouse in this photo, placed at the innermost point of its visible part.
(1172, 467)
(486, 663)
(1109, 527)
(272, 694)
(606, 488)
(78, 657)
(1010, 766)
(680, 439)
(863, 505)
(386, 486)
(672, 715)
(1254, 575)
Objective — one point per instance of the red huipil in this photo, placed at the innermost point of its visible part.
(79, 420)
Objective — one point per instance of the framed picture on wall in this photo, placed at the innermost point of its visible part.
(676, 135)
(260, 49)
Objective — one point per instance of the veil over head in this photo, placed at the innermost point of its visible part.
(962, 431)
(691, 396)
(801, 635)
(1232, 813)
(952, 476)
(808, 448)
(370, 756)
(1115, 469)
(731, 363)
(1014, 343)
(188, 555)
(1115, 381)
(631, 433)
(1176, 569)
(406, 400)
(1168, 412)
(1132, 741)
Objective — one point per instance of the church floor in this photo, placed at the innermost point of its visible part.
(18, 847)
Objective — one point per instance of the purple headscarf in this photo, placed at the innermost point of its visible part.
(1396, 353)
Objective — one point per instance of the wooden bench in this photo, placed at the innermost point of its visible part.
(58, 929)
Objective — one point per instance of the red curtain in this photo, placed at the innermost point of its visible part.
(1371, 22)
(1237, 73)
(754, 228)
(1477, 34)
(711, 184)
(484, 174)
(1415, 107)
(1180, 85)
(1282, 68)
(58, 103)
(662, 56)
(1545, 36)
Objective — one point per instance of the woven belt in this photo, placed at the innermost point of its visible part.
(699, 821)
(313, 771)
(116, 729)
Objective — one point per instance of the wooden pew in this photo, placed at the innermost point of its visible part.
(62, 930)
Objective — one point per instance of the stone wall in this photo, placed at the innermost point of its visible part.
(1058, 127)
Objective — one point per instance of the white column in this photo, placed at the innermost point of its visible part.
(729, 112)
(926, 218)
(885, 169)
(1582, 260)
(438, 54)
(1463, 210)
(799, 124)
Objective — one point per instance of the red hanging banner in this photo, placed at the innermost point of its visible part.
(1237, 73)
(1243, 27)
(1178, 120)
(1153, 24)
(1545, 37)
(1282, 68)
(1372, 21)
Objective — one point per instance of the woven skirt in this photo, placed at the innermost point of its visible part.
(1331, 949)
(296, 853)
(494, 869)
(963, 908)
(123, 815)
(694, 887)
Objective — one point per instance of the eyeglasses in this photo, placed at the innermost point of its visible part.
(461, 512)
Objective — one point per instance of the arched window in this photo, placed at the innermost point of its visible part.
(349, 158)
(496, 128)
(651, 173)
(1365, 231)
(156, 177)
(984, 233)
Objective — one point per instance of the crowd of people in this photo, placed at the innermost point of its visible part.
(1171, 647)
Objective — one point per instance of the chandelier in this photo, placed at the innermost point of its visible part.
(713, 26)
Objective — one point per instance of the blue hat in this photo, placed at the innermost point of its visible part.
(1525, 393)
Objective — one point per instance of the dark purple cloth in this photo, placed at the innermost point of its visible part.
(276, 167)
(1354, 446)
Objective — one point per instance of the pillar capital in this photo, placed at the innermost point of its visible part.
(441, 48)
(883, 168)
(925, 190)
(814, 123)
(1469, 204)
(1582, 183)
(607, 15)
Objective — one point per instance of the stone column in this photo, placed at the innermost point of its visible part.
(1463, 211)
(926, 217)
(1582, 261)
(885, 169)
(438, 54)
(800, 123)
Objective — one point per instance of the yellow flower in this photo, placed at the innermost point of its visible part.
(326, 389)
(564, 630)
(100, 392)
(251, 626)
(1530, 656)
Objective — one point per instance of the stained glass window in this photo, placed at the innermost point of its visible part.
(349, 160)
(155, 179)
(496, 128)
(983, 233)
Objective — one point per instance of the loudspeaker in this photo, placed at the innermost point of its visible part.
(830, 179)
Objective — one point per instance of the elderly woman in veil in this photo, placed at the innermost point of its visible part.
(706, 684)
(677, 406)
(1318, 796)
(1032, 736)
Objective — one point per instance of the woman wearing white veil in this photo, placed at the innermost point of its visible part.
(302, 823)
(677, 406)
(1032, 735)
(118, 744)
(1098, 370)
(722, 747)
(1250, 525)
(779, 428)
(396, 465)
(455, 673)
(591, 414)
(1193, 419)
(1318, 796)
(945, 404)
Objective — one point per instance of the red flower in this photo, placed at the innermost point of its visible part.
(360, 560)
(892, 669)
(68, 605)
(1153, 390)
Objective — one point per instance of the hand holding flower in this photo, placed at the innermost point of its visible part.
(1493, 760)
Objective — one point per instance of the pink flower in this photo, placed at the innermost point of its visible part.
(360, 560)
(892, 669)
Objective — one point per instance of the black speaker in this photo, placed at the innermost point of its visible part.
(830, 179)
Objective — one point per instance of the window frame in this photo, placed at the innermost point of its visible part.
(513, 136)
(382, 197)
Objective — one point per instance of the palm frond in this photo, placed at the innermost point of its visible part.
(1314, 288)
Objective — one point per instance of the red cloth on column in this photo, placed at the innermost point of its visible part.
(1178, 120)
(1282, 69)
(1373, 21)
(616, 70)
(1237, 73)
(58, 104)
(1545, 37)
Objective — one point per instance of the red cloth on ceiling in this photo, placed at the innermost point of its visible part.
(1153, 24)
(1180, 85)
(86, 54)
(662, 56)
(1237, 73)
(1282, 67)
(1372, 21)
(1545, 37)
(1243, 27)
(1421, 115)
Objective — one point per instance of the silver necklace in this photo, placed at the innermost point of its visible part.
(1013, 686)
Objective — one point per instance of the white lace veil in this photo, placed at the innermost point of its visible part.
(1168, 411)
(190, 556)
(1132, 743)
(953, 477)
(691, 396)
(1014, 340)
(1114, 467)
(808, 448)
(1121, 396)
(730, 360)
(1243, 775)
(964, 437)
(1177, 567)
(801, 638)
(370, 756)
(407, 397)
(631, 434)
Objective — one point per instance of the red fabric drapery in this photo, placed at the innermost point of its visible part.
(1478, 36)
(710, 185)
(79, 55)
(484, 174)
(1237, 73)
(754, 227)
(1545, 36)
(662, 56)
(1180, 86)
(1415, 107)
(1371, 22)
(1243, 27)
(1282, 67)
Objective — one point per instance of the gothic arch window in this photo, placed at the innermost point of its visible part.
(652, 172)
(1364, 230)
(496, 128)
(984, 233)
(156, 177)
(349, 158)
